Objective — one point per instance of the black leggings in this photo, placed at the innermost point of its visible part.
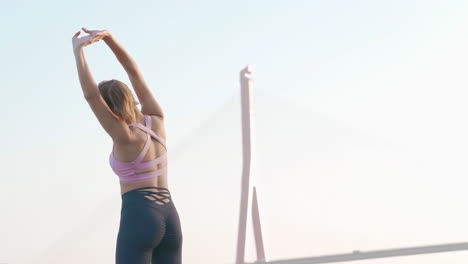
(150, 231)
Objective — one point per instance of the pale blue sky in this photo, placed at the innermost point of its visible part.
(360, 125)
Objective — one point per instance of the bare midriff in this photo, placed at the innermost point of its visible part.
(158, 181)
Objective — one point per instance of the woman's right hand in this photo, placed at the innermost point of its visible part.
(96, 35)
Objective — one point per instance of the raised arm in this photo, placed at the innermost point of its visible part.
(149, 105)
(114, 127)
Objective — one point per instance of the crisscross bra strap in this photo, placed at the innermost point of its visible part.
(148, 130)
(147, 143)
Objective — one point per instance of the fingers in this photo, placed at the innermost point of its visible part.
(76, 34)
(90, 41)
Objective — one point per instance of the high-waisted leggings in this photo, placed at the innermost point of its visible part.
(150, 231)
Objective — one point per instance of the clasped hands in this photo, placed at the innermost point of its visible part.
(94, 36)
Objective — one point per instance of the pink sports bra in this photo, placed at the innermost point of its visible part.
(126, 171)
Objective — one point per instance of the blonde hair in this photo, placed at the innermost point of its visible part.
(120, 99)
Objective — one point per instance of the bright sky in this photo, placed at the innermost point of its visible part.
(359, 119)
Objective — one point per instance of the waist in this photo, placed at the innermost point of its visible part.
(156, 197)
(152, 189)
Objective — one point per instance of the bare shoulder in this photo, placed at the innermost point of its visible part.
(157, 125)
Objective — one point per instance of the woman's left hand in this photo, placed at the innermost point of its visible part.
(84, 41)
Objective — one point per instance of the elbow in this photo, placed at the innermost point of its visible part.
(90, 96)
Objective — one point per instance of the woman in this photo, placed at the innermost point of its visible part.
(150, 230)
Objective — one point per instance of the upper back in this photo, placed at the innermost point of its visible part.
(129, 168)
(128, 150)
(157, 125)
